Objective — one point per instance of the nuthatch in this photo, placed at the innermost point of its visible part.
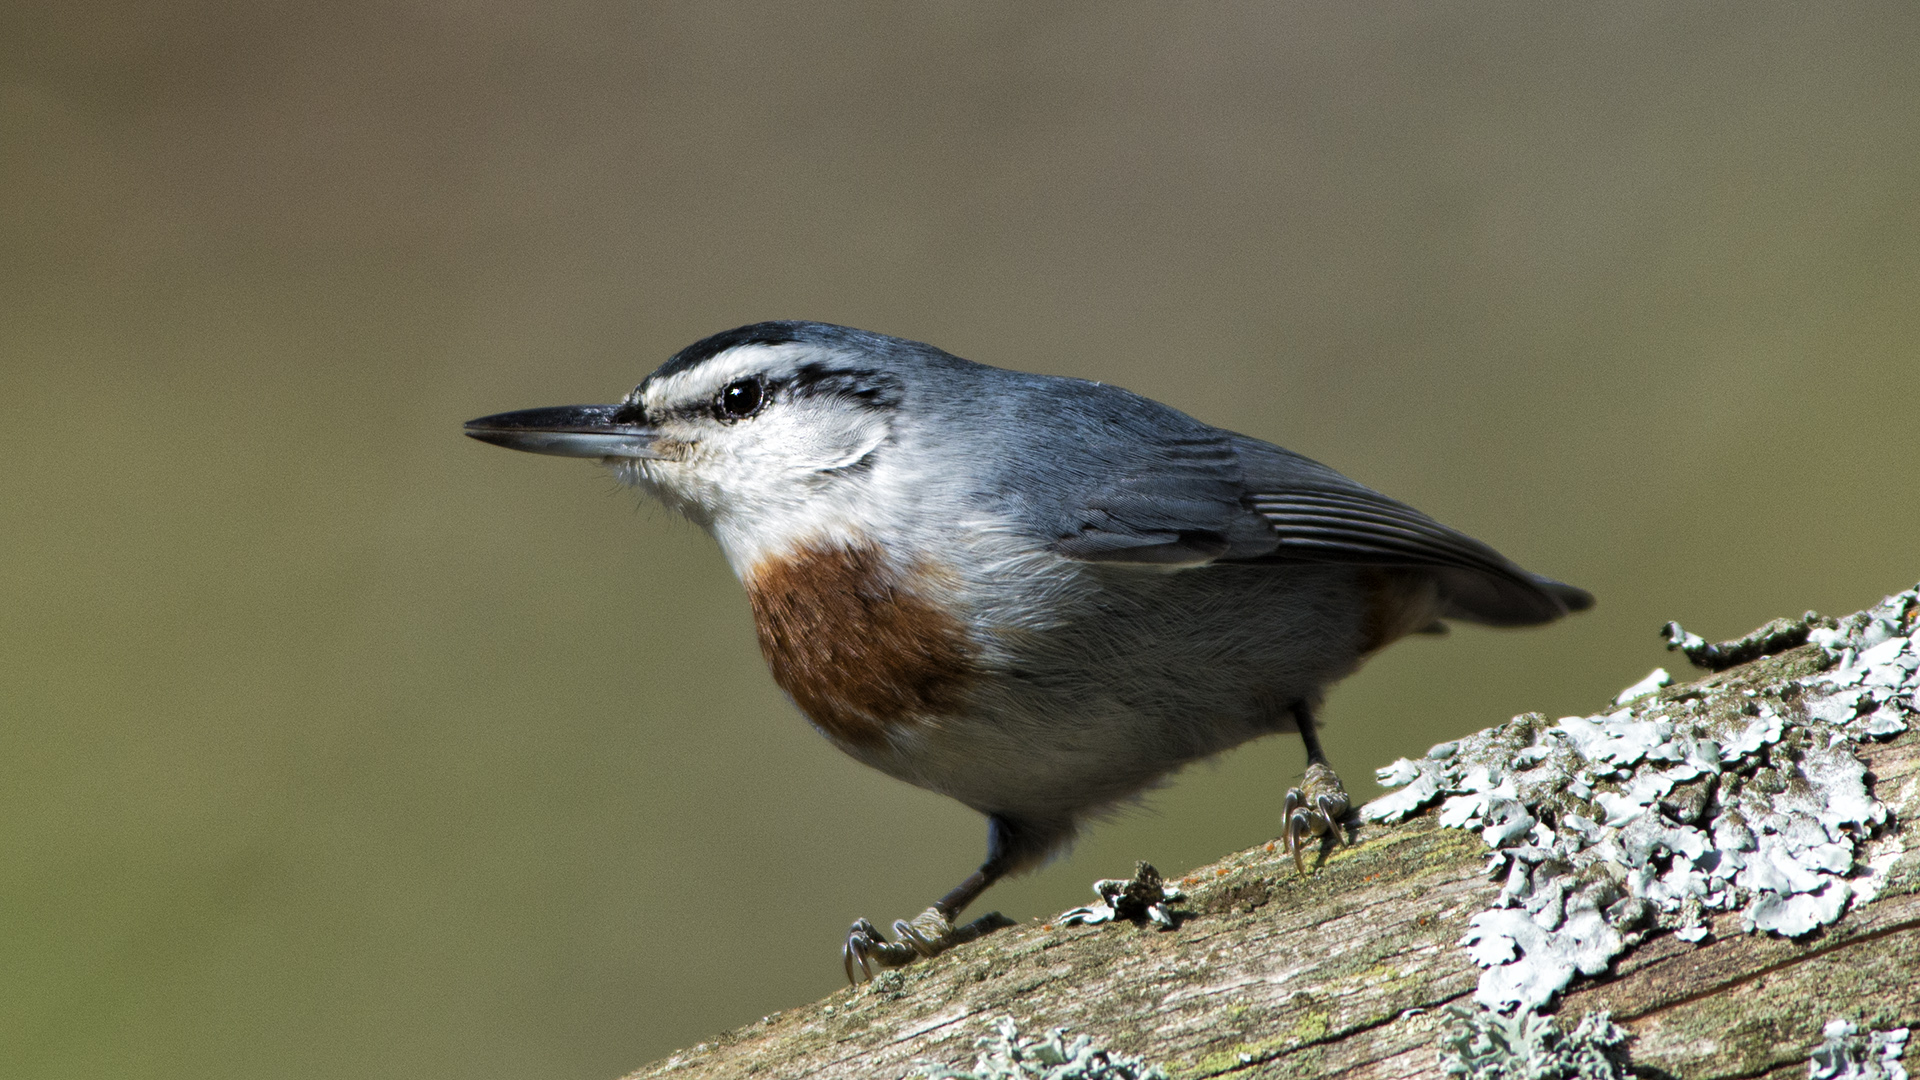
(1037, 595)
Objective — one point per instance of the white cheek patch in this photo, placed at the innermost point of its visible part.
(774, 482)
(781, 487)
(824, 439)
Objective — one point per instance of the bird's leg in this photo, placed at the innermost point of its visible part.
(932, 932)
(1315, 808)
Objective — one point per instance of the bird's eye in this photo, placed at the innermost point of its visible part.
(740, 399)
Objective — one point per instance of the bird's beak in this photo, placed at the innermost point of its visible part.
(588, 431)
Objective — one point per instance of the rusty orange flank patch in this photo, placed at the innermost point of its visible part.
(853, 645)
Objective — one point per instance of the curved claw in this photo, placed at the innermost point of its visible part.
(854, 950)
(865, 949)
(1300, 825)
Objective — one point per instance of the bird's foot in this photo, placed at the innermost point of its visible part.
(929, 933)
(1314, 809)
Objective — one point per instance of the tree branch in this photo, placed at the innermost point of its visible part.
(1346, 971)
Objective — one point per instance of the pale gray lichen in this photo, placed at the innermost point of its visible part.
(1483, 1045)
(1656, 679)
(1846, 1055)
(1006, 1055)
(1682, 804)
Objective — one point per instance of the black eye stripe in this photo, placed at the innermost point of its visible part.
(864, 386)
(740, 399)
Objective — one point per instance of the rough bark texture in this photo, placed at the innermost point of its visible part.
(1344, 972)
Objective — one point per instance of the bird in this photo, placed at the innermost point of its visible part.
(1037, 595)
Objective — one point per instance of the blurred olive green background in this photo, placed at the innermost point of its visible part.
(334, 744)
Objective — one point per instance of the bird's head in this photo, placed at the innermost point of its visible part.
(769, 435)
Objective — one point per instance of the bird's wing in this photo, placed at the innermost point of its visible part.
(1318, 515)
(1150, 485)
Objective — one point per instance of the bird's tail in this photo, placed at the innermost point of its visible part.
(1521, 599)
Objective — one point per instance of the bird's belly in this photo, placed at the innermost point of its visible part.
(1147, 673)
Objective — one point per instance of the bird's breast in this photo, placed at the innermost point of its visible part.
(862, 646)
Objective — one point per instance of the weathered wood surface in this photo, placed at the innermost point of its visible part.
(1344, 973)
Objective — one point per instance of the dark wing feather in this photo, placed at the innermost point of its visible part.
(1355, 527)
(1319, 515)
